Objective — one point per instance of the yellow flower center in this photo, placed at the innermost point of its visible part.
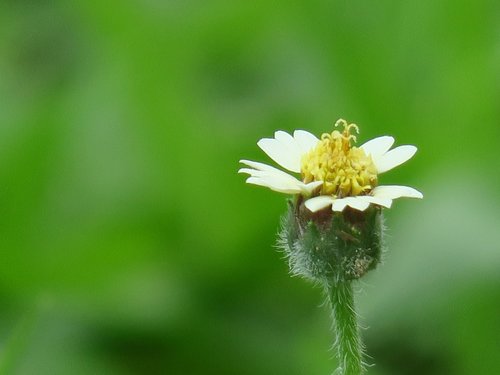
(345, 170)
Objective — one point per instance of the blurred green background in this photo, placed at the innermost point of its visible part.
(129, 244)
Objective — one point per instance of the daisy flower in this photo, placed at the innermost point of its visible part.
(332, 171)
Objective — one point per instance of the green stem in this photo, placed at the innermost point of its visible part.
(348, 342)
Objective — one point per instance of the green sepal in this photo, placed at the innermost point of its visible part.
(332, 247)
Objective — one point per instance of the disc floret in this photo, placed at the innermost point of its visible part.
(344, 169)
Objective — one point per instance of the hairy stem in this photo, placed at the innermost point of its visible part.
(348, 342)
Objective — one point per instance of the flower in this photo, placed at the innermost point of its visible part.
(333, 171)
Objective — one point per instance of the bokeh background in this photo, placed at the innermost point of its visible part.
(130, 245)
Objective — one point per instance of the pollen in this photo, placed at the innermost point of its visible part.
(344, 169)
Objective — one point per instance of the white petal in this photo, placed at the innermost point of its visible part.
(263, 170)
(305, 140)
(276, 184)
(284, 185)
(339, 204)
(396, 191)
(265, 174)
(283, 149)
(250, 171)
(259, 166)
(377, 146)
(356, 203)
(318, 203)
(275, 179)
(385, 202)
(312, 185)
(262, 167)
(394, 158)
(278, 177)
(285, 139)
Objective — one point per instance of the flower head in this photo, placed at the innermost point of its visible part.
(333, 172)
(333, 231)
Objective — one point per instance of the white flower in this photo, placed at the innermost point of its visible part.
(333, 172)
